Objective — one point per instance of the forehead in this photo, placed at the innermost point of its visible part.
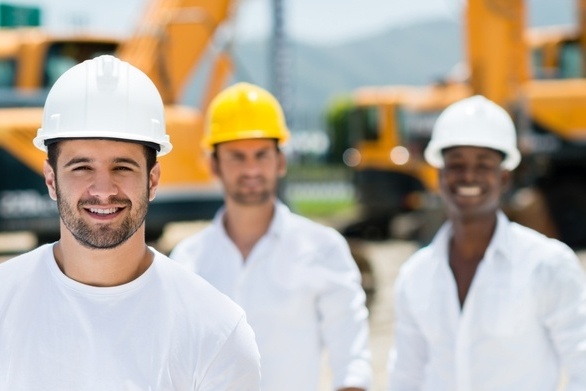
(465, 151)
(102, 149)
(247, 145)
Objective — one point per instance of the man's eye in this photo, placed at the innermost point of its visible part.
(484, 168)
(81, 168)
(454, 167)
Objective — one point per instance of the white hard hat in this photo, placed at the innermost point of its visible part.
(104, 98)
(474, 121)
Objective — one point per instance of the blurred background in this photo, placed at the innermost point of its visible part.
(361, 83)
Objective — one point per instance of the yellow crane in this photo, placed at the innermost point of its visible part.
(538, 75)
(169, 42)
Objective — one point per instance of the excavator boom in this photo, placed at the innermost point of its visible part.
(538, 75)
(172, 39)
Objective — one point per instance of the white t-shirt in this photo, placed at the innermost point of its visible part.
(166, 330)
(301, 292)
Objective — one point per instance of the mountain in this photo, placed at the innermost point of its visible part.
(415, 54)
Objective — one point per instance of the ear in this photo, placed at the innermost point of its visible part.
(282, 165)
(50, 181)
(154, 178)
(214, 165)
(506, 178)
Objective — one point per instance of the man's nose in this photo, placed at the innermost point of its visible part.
(103, 186)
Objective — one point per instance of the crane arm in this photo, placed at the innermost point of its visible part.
(171, 39)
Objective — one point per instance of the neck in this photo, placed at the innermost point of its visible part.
(103, 267)
(471, 237)
(245, 224)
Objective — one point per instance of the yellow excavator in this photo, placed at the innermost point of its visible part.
(168, 44)
(538, 75)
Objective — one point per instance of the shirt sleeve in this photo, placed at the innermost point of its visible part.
(562, 286)
(408, 357)
(236, 367)
(344, 318)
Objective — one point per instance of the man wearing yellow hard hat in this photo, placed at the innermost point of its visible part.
(295, 279)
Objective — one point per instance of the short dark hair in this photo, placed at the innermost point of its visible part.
(215, 148)
(503, 155)
(53, 152)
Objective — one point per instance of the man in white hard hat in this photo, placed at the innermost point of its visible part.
(99, 309)
(489, 305)
(295, 279)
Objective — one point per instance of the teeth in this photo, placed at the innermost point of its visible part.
(469, 191)
(103, 211)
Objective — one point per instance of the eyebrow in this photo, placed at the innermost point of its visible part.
(75, 161)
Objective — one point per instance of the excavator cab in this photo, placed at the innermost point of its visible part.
(386, 131)
(31, 61)
(169, 42)
(556, 53)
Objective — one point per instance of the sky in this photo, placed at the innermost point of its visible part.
(310, 21)
(319, 22)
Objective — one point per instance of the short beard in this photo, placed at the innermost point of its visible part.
(245, 199)
(104, 237)
(241, 196)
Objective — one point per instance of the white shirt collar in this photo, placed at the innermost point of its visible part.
(275, 228)
(499, 244)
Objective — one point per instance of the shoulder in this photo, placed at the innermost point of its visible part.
(194, 243)
(198, 308)
(194, 291)
(315, 245)
(526, 243)
(206, 319)
(301, 229)
(425, 260)
(304, 243)
(553, 268)
(550, 264)
(419, 264)
(24, 264)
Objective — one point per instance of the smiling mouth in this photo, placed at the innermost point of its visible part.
(104, 212)
(468, 191)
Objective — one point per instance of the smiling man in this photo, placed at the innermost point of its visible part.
(99, 309)
(489, 305)
(295, 279)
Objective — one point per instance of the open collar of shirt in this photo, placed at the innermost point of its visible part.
(494, 273)
(498, 248)
(276, 227)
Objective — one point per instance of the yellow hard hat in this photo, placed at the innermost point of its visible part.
(244, 111)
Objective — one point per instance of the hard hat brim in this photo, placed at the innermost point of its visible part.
(162, 148)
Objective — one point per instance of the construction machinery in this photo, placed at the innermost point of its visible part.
(170, 41)
(538, 75)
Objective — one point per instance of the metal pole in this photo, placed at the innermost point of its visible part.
(279, 62)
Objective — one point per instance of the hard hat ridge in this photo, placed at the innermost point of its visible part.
(107, 74)
(104, 98)
(474, 121)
